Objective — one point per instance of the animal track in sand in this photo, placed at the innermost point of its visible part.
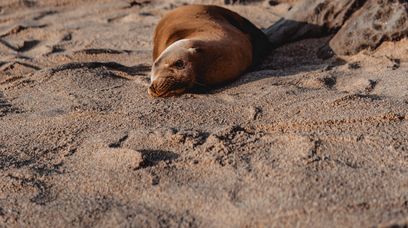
(134, 70)
(16, 50)
(15, 73)
(43, 194)
(112, 212)
(117, 158)
(114, 70)
(153, 157)
(346, 100)
(332, 123)
(7, 161)
(43, 14)
(20, 27)
(356, 85)
(228, 98)
(228, 144)
(119, 142)
(293, 147)
(13, 65)
(3, 101)
(33, 48)
(316, 83)
(95, 51)
(116, 18)
(28, 45)
(6, 107)
(191, 139)
(395, 63)
(130, 142)
(254, 112)
(8, 45)
(134, 3)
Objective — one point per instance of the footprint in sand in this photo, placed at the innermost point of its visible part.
(356, 85)
(5, 106)
(117, 158)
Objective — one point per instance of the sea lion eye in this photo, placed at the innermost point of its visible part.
(179, 64)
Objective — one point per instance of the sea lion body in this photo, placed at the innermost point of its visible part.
(202, 45)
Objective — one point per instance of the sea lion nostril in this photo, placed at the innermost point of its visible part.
(152, 88)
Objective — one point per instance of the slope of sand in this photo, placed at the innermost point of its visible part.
(297, 142)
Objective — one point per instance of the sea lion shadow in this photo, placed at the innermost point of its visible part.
(288, 67)
(263, 72)
(306, 54)
(296, 47)
(140, 69)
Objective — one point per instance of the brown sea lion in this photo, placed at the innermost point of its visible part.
(202, 45)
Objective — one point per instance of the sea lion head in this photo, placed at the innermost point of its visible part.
(173, 72)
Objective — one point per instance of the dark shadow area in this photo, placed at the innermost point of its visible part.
(153, 157)
(140, 69)
(286, 31)
(7, 161)
(95, 51)
(43, 194)
(289, 59)
(231, 2)
(292, 59)
(358, 24)
(28, 45)
(8, 45)
(119, 142)
(44, 14)
(138, 4)
(311, 19)
(5, 108)
(291, 53)
(18, 28)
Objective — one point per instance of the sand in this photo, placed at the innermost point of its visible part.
(298, 141)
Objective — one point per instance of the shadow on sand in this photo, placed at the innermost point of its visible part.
(297, 47)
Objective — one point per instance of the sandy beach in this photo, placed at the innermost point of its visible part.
(296, 142)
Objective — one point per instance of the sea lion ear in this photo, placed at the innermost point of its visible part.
(195, 50)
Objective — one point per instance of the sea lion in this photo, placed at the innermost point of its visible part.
(202, 45)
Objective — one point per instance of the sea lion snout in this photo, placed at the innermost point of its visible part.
(173, 72)
(170, 79)
(166, 86)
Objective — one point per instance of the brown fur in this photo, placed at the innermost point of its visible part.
(226, 45)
